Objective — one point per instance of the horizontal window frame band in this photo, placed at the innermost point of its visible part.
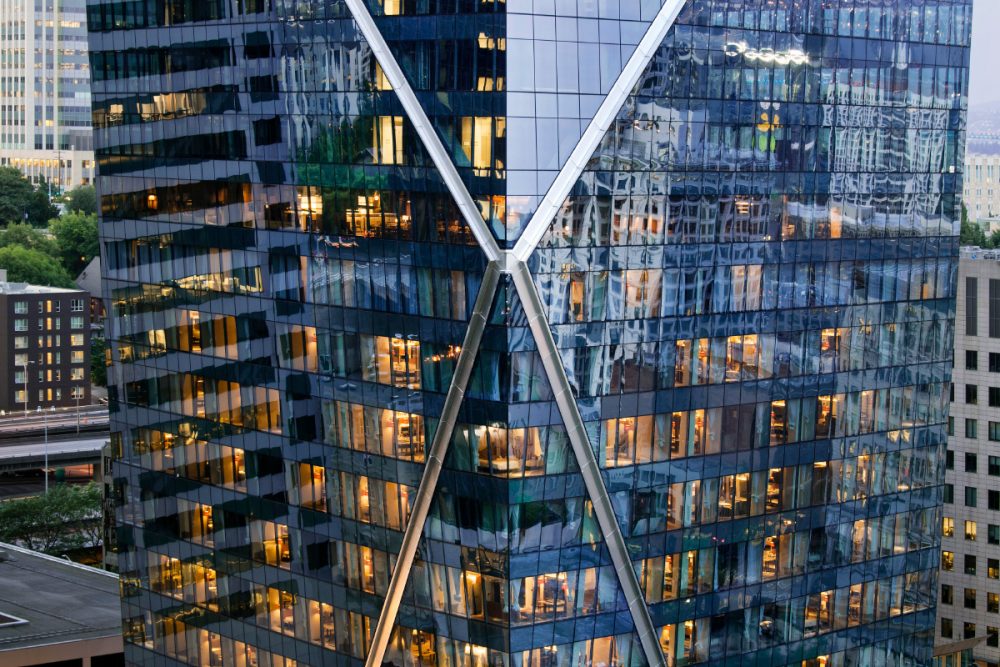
(432, 469)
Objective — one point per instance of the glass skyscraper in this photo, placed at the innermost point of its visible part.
(529, 333)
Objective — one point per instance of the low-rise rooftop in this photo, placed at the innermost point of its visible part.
(975, 252)
(7, 287)
(46, 601)
(26, 288)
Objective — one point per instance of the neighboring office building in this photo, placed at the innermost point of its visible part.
(956, 654)
(45, 115)
(56, 613)
(89, 281)
(44, 346)
(981, 190)
(730, 447)
(969, 601)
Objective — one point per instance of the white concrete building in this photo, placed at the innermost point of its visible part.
(45, 117)
(981, 189)
(969, 595)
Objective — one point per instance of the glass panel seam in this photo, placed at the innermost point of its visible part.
(422, 124)
(432, 468)
(589, 468)
(599, 124)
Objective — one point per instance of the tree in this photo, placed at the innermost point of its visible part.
(971, 233)
(87, 512)
(24, 235)
(20, 201)
(33, 266)
(98, 362)
(76, 239)
(83, 199)
(64, 519)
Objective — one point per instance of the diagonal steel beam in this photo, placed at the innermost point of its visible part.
(599, 124)
(513, 262)
(589, 469)
(432, 468)
(425, 130)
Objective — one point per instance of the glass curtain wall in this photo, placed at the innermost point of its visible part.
(750, 286)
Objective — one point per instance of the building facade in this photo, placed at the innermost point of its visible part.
(45, 114)
(498, 333)
(981, 189)
(45, 343)
(969, 600)
(89, 281)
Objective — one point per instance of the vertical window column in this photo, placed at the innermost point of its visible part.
(972, 305)
(994, 308)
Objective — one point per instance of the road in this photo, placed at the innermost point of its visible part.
(59, 419)
(39, 439)
(22, 458)
(56, 449)
(21, 487)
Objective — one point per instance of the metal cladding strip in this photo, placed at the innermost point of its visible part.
(432, 468)
(422, 124)
(599, 124)
(589, 469)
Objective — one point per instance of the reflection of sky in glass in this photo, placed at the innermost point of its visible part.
(749, 290)
(984, 77)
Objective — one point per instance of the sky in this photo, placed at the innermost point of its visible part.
(984, 77)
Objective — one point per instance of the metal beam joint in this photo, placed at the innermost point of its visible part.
(563, 184)
(513, 263)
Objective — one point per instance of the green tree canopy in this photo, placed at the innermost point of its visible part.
(83, 199)
(65, 519)
(33, 266)
(76, 239)
(972, 234)
(20, 201)
(32, 238)
(98, 362)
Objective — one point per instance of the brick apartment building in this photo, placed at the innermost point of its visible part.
(44, 346)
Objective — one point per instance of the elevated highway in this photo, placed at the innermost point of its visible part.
(17, 456)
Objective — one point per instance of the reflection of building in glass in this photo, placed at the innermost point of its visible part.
(667, 388)
(45, 123)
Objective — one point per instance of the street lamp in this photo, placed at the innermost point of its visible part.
(45, 470)
(24, 369)
(45, 421)
(78, 394)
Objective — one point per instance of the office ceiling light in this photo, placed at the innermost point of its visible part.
(767, 55)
